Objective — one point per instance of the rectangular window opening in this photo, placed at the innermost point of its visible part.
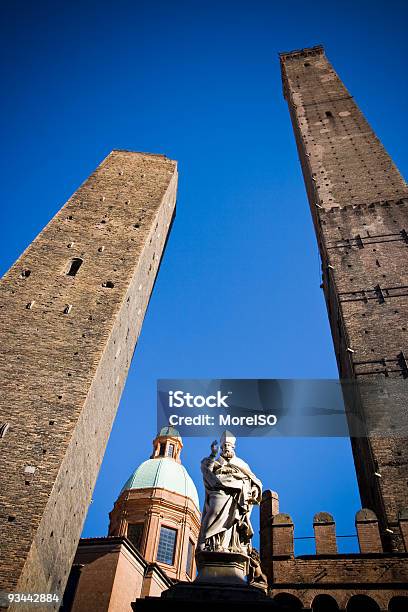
(190, 558)
(135, 533)
(167, 546)
(74, 266)
(170, 450)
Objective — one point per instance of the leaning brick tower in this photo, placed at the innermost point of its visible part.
(359, 204)
(71, 311)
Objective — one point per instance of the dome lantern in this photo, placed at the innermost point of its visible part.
(167, 443)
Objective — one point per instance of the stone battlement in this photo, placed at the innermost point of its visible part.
(329, 577)
(282, 528)
(300, 53)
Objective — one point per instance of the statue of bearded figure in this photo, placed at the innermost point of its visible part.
(231, 491)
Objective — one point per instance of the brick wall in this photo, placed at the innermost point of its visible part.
(111, 577)
(67, 342)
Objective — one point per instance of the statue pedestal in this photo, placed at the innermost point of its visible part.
(220, 580)
(222, 567)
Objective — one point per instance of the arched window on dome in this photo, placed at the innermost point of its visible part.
(170, 450)
(162, 449)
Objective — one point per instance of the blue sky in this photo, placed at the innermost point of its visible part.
(238, 292)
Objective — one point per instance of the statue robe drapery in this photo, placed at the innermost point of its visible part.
(228, 503)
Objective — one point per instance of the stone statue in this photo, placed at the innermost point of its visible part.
(231, 490)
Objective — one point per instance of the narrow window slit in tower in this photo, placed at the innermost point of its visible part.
(3, 429)
(30, 305)
(74, 266)
(108, 284)
(67, 308)
(25, 273)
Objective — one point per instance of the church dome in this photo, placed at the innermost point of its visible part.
(163, 473)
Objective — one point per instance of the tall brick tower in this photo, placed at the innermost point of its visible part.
(72, 307)
(359, 206)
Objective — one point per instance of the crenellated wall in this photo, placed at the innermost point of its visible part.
(372, 572)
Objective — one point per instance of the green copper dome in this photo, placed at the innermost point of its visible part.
(163, 473)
